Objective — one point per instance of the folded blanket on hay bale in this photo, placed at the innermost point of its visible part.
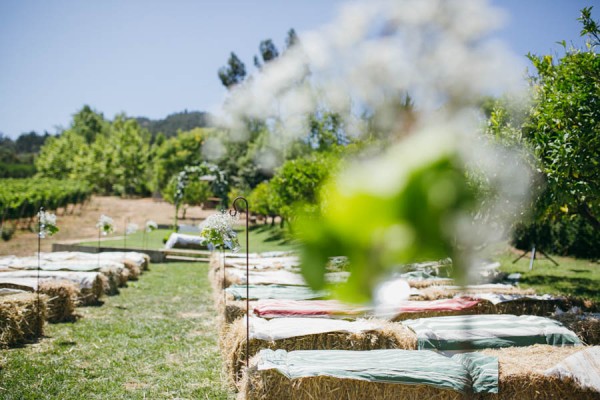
(117, 272)
(523, 373)
(471, 332)
(362, 375)
(22, 318)
(92, 285)
(295, 334)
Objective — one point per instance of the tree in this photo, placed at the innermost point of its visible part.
(233, 73)
(57, 157)
(177, 152)
(268, 52)
(129, 147)
(297, 182)
(563, 128)
(88, 124)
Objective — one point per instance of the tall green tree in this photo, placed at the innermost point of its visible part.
(563, 127)
(129, 146)
(233, 73)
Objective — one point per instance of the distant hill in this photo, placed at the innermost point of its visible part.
(182, 121)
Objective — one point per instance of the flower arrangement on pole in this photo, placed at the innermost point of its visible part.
(105, 225)
(150, 226)
(217, 231)
(47, 224)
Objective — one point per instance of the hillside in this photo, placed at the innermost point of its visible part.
(181, 121)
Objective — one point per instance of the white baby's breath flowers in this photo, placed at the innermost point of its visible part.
(151, 226)
(47, 224)
(217, 231)
(105, 224)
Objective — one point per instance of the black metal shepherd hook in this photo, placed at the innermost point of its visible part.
(39, 238)
(234, 213)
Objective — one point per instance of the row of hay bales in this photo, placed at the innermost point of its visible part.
(520, 368)
(65, 280)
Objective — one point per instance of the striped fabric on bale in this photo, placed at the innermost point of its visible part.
(468, 332)
(406, 367)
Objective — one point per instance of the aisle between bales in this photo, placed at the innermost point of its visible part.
(156, 340)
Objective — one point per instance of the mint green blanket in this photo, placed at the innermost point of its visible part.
(464, 373)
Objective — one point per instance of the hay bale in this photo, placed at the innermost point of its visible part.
(134, 269)
(444, 292)
(483, 307)
(22, 318)
(146, 264)
(425, 283)
(525, 306)
(389, 336)
(271, 385)
(521, 374)
(91, 294)
(62, 300)
(585, 325)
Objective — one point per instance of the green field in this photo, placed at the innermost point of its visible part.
(262, 238)
(157, 339)
(572, 276)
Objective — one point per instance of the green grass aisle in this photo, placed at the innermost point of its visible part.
(156, 340)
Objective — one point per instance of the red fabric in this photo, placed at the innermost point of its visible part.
(303, 308)
(456, 304)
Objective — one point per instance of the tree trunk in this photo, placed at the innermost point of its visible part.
(584, 210)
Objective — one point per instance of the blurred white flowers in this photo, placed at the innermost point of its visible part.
(151, 226)
(105, 224)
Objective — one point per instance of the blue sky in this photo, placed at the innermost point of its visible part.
(152, 58)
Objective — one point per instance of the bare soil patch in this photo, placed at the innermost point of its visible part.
(80, 223)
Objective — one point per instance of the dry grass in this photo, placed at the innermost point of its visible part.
(389, 336)
(22, 318)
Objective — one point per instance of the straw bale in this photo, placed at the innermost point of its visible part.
(521, 374)
(134, 269)
(541, 308)
(483, 307)
(235, 310)
(421, 284)
(389, 336)
(62, 299)
(271, 385)
(444, 292)
(22, 318)
(113, 281)
(146, 264)
(91, 296)
(587, 327)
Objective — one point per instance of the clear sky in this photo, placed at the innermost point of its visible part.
(152, 58)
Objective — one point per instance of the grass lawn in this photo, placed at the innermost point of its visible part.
(571, 277)
(262, 238)
(156, 340)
